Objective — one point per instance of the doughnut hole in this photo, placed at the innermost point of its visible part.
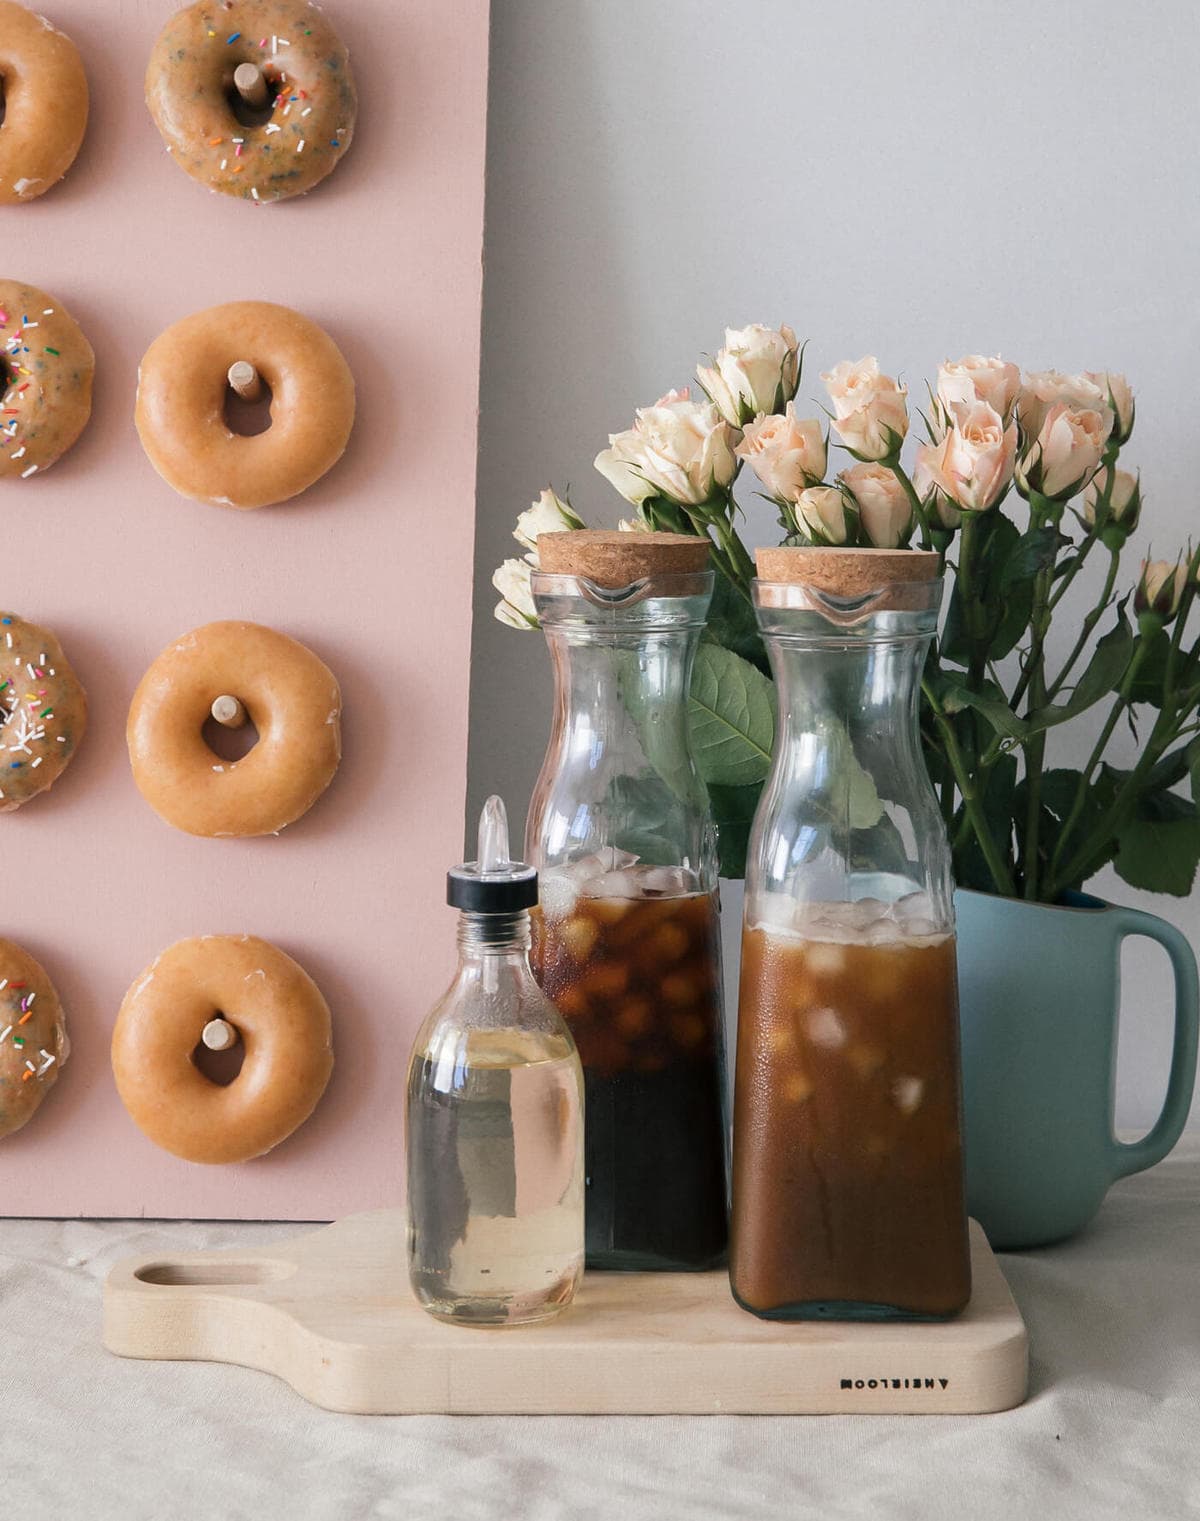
(248, 418)
(227, 744)
(219, 1067)
(244, 113)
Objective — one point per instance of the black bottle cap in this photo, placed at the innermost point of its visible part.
(492, 884)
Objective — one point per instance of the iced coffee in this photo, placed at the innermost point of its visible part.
(630, 955)
(847, 1163)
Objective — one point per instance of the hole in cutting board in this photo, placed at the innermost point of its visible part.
(230, 744)
(181, 1274)
(219, 1067)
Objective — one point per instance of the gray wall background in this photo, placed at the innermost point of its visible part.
(914, 180)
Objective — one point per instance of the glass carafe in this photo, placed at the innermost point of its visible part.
(847, 1158)
(626, 941)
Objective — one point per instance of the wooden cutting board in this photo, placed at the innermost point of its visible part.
(331, 1314)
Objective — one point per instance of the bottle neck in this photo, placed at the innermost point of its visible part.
(493, 935)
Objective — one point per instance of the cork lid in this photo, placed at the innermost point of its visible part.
(847, 572)
(615, 559)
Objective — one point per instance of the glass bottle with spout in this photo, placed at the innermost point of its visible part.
(626, 941)
(847, 1158)
(494, 1116)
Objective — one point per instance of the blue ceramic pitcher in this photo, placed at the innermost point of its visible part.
(1039, 997)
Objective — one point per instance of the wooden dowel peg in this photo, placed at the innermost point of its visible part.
(251, 84)
(219, 1035)
(229, 712)
(245, 380)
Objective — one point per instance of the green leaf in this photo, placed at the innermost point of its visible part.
(1033, 552)
(970, 865)
(880, 848)
(731, 715)
(731, 623)
(1104, 674)
(1193, 760)
(990, 702)
(733, 810)
(1152, 671)
(1159, 849)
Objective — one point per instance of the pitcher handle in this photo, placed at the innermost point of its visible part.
(1135, 1156)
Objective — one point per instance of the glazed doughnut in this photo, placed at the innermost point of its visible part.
(306, 120)
(43, 711)
(47, 366)
(290, 696)
(45, 103)
(182, 389)
(275, 1009)
(33, 1036)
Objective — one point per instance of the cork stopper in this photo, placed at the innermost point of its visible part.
(849, 573)
(616, 559)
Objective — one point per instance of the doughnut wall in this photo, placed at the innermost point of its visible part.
(368, 568)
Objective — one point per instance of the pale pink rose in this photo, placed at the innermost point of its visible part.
(822, 514)
(786, 452)
(550, 513)
(516, 607)
(973, 463)
(1160, 587)
(883, 506)
(1067, 451)
(974, 378)
(678, 448)
(870, 410)
(755, 373)
(1124, 501)
(1120, 398)
(1043, 389)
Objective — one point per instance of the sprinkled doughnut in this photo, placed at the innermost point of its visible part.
(47, 366)
(43, 711)
(33, 1036)
(219, 990)
(183, 386)
(253, 98)
(234, 671)
(45, 103)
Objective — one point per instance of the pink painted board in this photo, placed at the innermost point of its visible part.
(371, 568)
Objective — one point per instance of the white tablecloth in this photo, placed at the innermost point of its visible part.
(1111, 1427)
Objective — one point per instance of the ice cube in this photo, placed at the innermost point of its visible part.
(607, 858)
(557, 894)
(613, 884)
(824, 1028)
(665, 881)
(825, 957)
(908, 1092)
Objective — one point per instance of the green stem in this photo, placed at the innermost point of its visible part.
(1089, 623)
(1035, 684)
(917, 505)
(1093, 760)
(1001, 876)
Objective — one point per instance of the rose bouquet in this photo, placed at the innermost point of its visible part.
(1017, 484)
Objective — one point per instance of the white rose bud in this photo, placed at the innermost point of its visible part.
(678, 448)
(787, 453)
(884, 509)
(973, 463)
(632, 525)
(870, 410)
(823, 515)
(1160, 587)
(755, 373)
(512, 581)
(1124, 498)
(1044, 389)
(1120, 398)
(973, 378)
(1067, 451)
(548, 514)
